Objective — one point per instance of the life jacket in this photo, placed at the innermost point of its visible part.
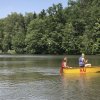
(81, 62)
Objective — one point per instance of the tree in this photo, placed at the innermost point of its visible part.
(29, 17)
(42, 14)
(1, 35)
(59, 30)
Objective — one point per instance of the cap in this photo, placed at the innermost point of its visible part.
(83, 54)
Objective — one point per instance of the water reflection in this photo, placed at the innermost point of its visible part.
(82, 87)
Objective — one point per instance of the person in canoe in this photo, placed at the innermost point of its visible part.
(64, 64)
(83, 63)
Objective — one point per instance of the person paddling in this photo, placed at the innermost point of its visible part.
(83, 63)
(64, 64)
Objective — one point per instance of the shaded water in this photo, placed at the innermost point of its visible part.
(38, 78)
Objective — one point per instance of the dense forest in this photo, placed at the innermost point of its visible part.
(56, 30)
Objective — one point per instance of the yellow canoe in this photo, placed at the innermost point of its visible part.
(78, 70)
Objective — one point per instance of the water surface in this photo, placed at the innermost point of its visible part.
(37, 78)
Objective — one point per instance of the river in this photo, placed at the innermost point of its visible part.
(27, 77)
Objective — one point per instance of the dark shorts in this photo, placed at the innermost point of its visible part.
(82, 66)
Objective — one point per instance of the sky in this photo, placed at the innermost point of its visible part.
(23, 6)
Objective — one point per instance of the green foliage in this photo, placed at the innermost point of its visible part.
(18, 43)
(1, 34)
(57, 30)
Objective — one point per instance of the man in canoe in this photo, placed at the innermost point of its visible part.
(83, 63)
